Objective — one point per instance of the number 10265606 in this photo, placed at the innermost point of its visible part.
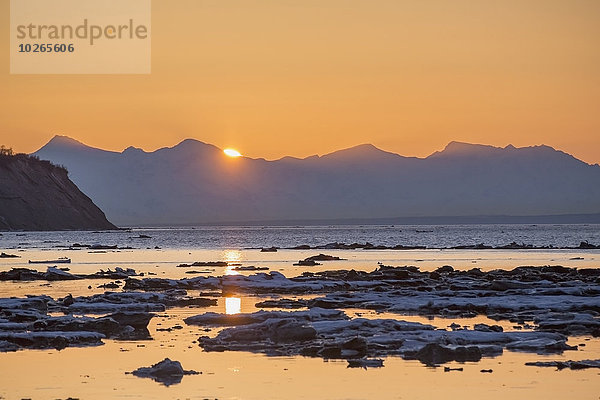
(46, 48)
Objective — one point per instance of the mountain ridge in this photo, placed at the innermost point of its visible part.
(194, 182)
(452, 147)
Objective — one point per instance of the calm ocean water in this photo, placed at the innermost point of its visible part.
(211, 237)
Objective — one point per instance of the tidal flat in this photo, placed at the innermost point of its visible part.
(374, 324)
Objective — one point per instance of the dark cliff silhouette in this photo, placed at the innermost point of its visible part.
(38, 195)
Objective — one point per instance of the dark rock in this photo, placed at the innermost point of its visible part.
(446, 269)
(138, 321)
(479, 246)
(67, 300)
(204, 264)
(131, 326)
(118, 273)
(556, 269)
(61, 274)
(515, 246)
(584, 364)
(435, 354)
(20, 274)
(323, 257)
(488, 328)
(110, 285)
(166, 372)
(222, 319)
(102, 247)
(195, 302)
(435, 275)
(301, 247)
(306, 263)
(52, 340)
(448, 369)
(251, 268)
(586, 245)
(292, 331)
(365, 363)
(6, 346)
(331, 351)
(282, 303)
(210, 264)
(356, 347)
(402, 247)
(57, 274)
(5, 255)
(503, 285)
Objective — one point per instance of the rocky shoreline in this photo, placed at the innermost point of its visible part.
(544, 306)
(477, 246)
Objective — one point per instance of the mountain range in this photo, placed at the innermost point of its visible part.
(195, 183)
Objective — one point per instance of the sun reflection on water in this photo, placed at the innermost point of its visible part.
(230, 270)
(233, 305)
(232, 257)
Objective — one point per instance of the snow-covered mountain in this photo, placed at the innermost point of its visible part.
(194, 182)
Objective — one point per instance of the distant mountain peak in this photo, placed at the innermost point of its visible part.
(62, 143)
(366, 147)
(189, 148)
(62, 140)
(133, 149)
(463, 147)
(361, 151)
(189, 142)
(193, 144)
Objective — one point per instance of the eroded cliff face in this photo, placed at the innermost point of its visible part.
(37, 195)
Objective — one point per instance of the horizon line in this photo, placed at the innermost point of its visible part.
(542, 219)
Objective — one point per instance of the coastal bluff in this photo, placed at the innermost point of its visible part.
(36, 195)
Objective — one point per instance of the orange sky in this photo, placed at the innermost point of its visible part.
(299, 77)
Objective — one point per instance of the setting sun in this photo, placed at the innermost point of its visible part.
(232, 153)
